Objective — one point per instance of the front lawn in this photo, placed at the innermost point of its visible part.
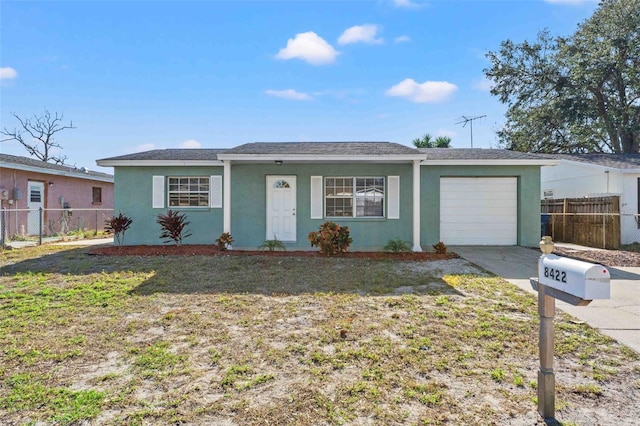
(235, 340)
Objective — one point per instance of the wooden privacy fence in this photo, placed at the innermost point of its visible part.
(592, 222)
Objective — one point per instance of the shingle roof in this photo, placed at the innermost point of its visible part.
(615, 161)
(323, 148)
(19, 162)
(171, 154)
(477, 154)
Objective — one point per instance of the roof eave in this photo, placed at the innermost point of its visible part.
(53, 172)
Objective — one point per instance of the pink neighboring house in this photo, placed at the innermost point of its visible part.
(71, 198)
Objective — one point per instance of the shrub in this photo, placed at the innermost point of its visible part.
(273, 245)
(397, 246)
(331, 238)
(224, 241)
(440, 248)
(173, 226)
(118, 225)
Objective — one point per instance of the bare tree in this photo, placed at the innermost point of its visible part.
(37, 135)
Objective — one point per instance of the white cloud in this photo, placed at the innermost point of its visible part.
(290, 94)
(144, 147)
(402, 39)
(7, 73)
(360, 34)
(483, 85)
(427, 92)
(309, 47)
(191, 143)
(408, 4)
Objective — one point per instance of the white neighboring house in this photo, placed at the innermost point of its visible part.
(598, 175)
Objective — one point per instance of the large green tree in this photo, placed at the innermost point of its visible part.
(573, 94)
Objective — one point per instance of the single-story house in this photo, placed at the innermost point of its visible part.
(598, 175)
(382, 191)
(70, 197)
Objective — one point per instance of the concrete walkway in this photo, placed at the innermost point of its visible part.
(617, 317)
(59, 242)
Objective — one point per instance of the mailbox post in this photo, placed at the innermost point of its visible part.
(574, 282)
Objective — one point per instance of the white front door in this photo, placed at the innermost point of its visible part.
(281, 208)
(34, 203)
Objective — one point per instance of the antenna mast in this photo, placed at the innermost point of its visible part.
(466, 120)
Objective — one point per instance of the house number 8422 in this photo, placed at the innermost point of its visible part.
(555, 274)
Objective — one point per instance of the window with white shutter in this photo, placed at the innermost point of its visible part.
(158, 192)
(215, 186)
(316, 197)
(393, 197)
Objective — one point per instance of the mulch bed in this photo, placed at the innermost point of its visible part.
(209, 250)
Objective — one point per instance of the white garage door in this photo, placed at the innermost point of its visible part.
(479, 211)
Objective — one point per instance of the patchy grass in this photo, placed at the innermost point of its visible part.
(298, 341)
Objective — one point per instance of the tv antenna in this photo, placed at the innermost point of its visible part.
(466, 120)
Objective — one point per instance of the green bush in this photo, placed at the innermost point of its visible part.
(397, 246)
(331, 238)
(273, 245)
(173, 226)
(440, 248)
(224, 241)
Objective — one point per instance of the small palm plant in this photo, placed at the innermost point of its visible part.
(397, 246)
(273, 245)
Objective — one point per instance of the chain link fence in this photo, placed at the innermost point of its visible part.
(27, 224)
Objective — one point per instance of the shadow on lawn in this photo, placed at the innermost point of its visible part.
(263, 275)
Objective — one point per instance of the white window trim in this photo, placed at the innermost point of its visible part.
(354, 197)
(208, 193)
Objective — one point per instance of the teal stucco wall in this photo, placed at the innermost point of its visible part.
(248, 204)
(133, 198)
(528, 198)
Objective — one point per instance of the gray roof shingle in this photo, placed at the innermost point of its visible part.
(615, 161)
(172, 154)
(33, 163)
(436, 154)
(324, 148)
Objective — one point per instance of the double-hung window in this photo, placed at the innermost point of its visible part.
(188, 191)
(354, 196)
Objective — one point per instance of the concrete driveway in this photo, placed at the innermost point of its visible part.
(617, 317)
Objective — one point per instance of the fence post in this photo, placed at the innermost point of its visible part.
(604, 231)
(3, 230)
(40, 213)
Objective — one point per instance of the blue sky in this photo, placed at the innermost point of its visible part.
(134, 76)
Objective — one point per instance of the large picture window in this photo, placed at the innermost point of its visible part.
(354, 196)
(188, 191)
